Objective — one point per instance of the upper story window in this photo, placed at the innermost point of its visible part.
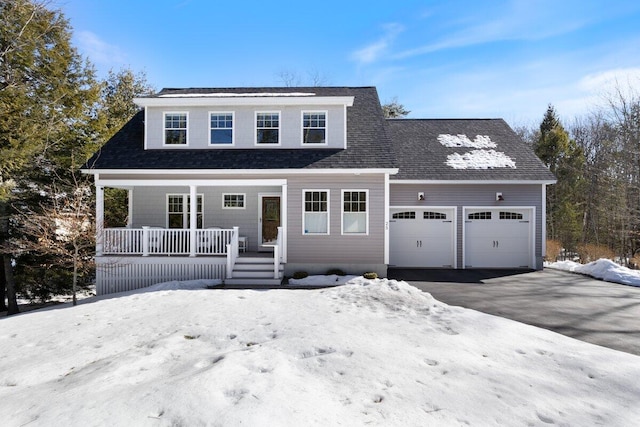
(314, 127)
(221, 131)
(175, 128)
(268, 128)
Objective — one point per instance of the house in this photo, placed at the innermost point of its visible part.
(251, 184)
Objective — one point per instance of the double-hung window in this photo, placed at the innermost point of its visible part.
(179, 210)
(315, 219)
(221, 131)
(175, 128)
(268, 128)
(355, 212)
(314, 127)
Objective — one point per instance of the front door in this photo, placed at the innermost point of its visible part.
(270, 219)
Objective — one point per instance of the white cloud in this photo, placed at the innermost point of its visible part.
(372, 52)
(99, 51)
(610, 79)
(515, 21)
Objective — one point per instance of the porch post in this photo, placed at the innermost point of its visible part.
(99, 219)
(284, 222)
(130, 208)
(193, 219)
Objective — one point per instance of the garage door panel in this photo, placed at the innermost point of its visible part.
(497, 238)
(416, 241)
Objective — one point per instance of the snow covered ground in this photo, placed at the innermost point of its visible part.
(601, 269)
(366, 353)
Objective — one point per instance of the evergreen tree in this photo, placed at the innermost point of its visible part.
(565, 206)
(47, 95)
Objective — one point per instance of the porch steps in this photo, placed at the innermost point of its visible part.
(254, 271)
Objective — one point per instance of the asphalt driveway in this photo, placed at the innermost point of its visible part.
(587, 309)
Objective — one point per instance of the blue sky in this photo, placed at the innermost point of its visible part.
(457, 58)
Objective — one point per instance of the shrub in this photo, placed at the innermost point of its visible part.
(554, 248)
(300, 274)
(370, 275)
(590, 252)
(336, 271)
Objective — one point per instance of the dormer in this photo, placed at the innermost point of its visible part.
(242, 118)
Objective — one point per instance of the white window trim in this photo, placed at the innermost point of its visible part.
(233, 128)
(366, 191)
(326, 128)
(255, 129)
(306, 190)
(244, 200)
(164, 129)
(185, 204)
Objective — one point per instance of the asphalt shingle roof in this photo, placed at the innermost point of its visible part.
(372, 142)
(421, 156)
(368, 143)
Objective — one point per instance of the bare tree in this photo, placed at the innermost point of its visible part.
(64, 228)
(290, 78)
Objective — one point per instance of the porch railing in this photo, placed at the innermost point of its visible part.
(162, 241)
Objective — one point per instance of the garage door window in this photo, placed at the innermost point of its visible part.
(355, 212)
(480, 215)
(404, 215)
(315, 219)
(434, 215)
(510, 215)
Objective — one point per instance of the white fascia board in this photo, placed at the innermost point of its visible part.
(189, 182)
(216, 172)
(469, 181)
(236, 101)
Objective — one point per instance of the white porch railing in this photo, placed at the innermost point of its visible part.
(162, 241)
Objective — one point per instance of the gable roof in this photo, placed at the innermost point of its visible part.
(422, 156)
(368, 145)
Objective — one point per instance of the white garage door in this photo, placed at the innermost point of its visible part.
(498, 238)
(422, 238)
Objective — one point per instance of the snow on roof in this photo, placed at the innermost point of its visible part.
(461, 140)
(230, 95)
(480, 159)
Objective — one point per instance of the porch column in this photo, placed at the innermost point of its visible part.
(130, 207)
(284, 222)
(99, 219)
(193, 219)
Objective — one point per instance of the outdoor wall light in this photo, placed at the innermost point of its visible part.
(499, 197)
(420, 196)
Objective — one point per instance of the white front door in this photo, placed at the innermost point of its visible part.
(422, 237)
(498, 238)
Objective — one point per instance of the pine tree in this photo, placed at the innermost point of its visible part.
(47, 94)
(566, 160)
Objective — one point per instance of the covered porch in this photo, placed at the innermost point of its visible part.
(190, 223)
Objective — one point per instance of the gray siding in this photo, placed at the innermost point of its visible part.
(150, 208)
(245, 126)
(461, 195)
(336, 248)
